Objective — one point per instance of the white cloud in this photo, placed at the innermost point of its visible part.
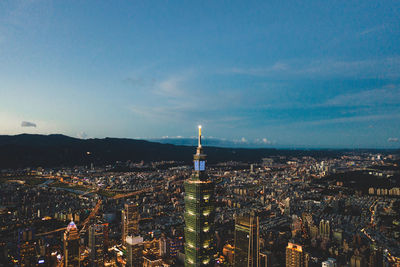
(173, 86)
(261, 71)
(366, 118)
(386, 95)
(263, 141)
(388, 67)
(82, 135)
(170, 87)
(372, 30)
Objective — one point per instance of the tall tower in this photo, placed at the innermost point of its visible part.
(247, 240)
(130, 220)
(71, 246)
(199, 213)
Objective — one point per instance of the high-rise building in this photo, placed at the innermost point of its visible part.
(134, 247)
(324, 229)
(265, 259)
(27, 254)
(96, 244)
(228, 252)
(175, 245)
(287, 206)
(199, 213)
(376, 257)
(130, 220)
(152, 261)
(296, 256)
(71, 246)
(357, 260)
(163, 246)
(247, 240)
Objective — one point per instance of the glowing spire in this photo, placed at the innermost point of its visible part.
(199, 136)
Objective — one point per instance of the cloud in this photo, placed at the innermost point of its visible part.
(82, 135)
(28, 124)
(261, 71)
(388, 67)
(387, 95)
(393, 140)
(171, 87)
(263, 141)
(372, 30)
(366, 118)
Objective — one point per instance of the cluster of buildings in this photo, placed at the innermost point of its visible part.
(283, 211)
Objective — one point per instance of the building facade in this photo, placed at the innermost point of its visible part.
(96, 244)
(130, 220)
(71, 246)
(199, 213)
(247, 240)
(296, 256)
(134, 250)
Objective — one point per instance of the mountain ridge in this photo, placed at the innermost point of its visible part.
(57, 150)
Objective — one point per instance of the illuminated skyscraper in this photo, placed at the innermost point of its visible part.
(130, 220)
(295, 256)
(134, 247)
(96, 244)
(71, 246)
(247, 240)
(199, 213)
(324, 229)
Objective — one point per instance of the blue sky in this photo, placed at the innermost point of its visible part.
(278, 73)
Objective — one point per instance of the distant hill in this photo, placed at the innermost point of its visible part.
(28, 150)
(31, 150)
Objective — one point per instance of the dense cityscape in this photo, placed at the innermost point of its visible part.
(104, 161)
(281, 211)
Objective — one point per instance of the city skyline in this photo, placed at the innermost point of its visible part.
(290, 209)
(286, 74)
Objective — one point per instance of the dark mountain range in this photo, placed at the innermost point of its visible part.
(28, 150)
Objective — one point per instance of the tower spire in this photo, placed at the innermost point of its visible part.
(199, 136)
(199, 147)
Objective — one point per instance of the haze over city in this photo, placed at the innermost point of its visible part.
(257, 73)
